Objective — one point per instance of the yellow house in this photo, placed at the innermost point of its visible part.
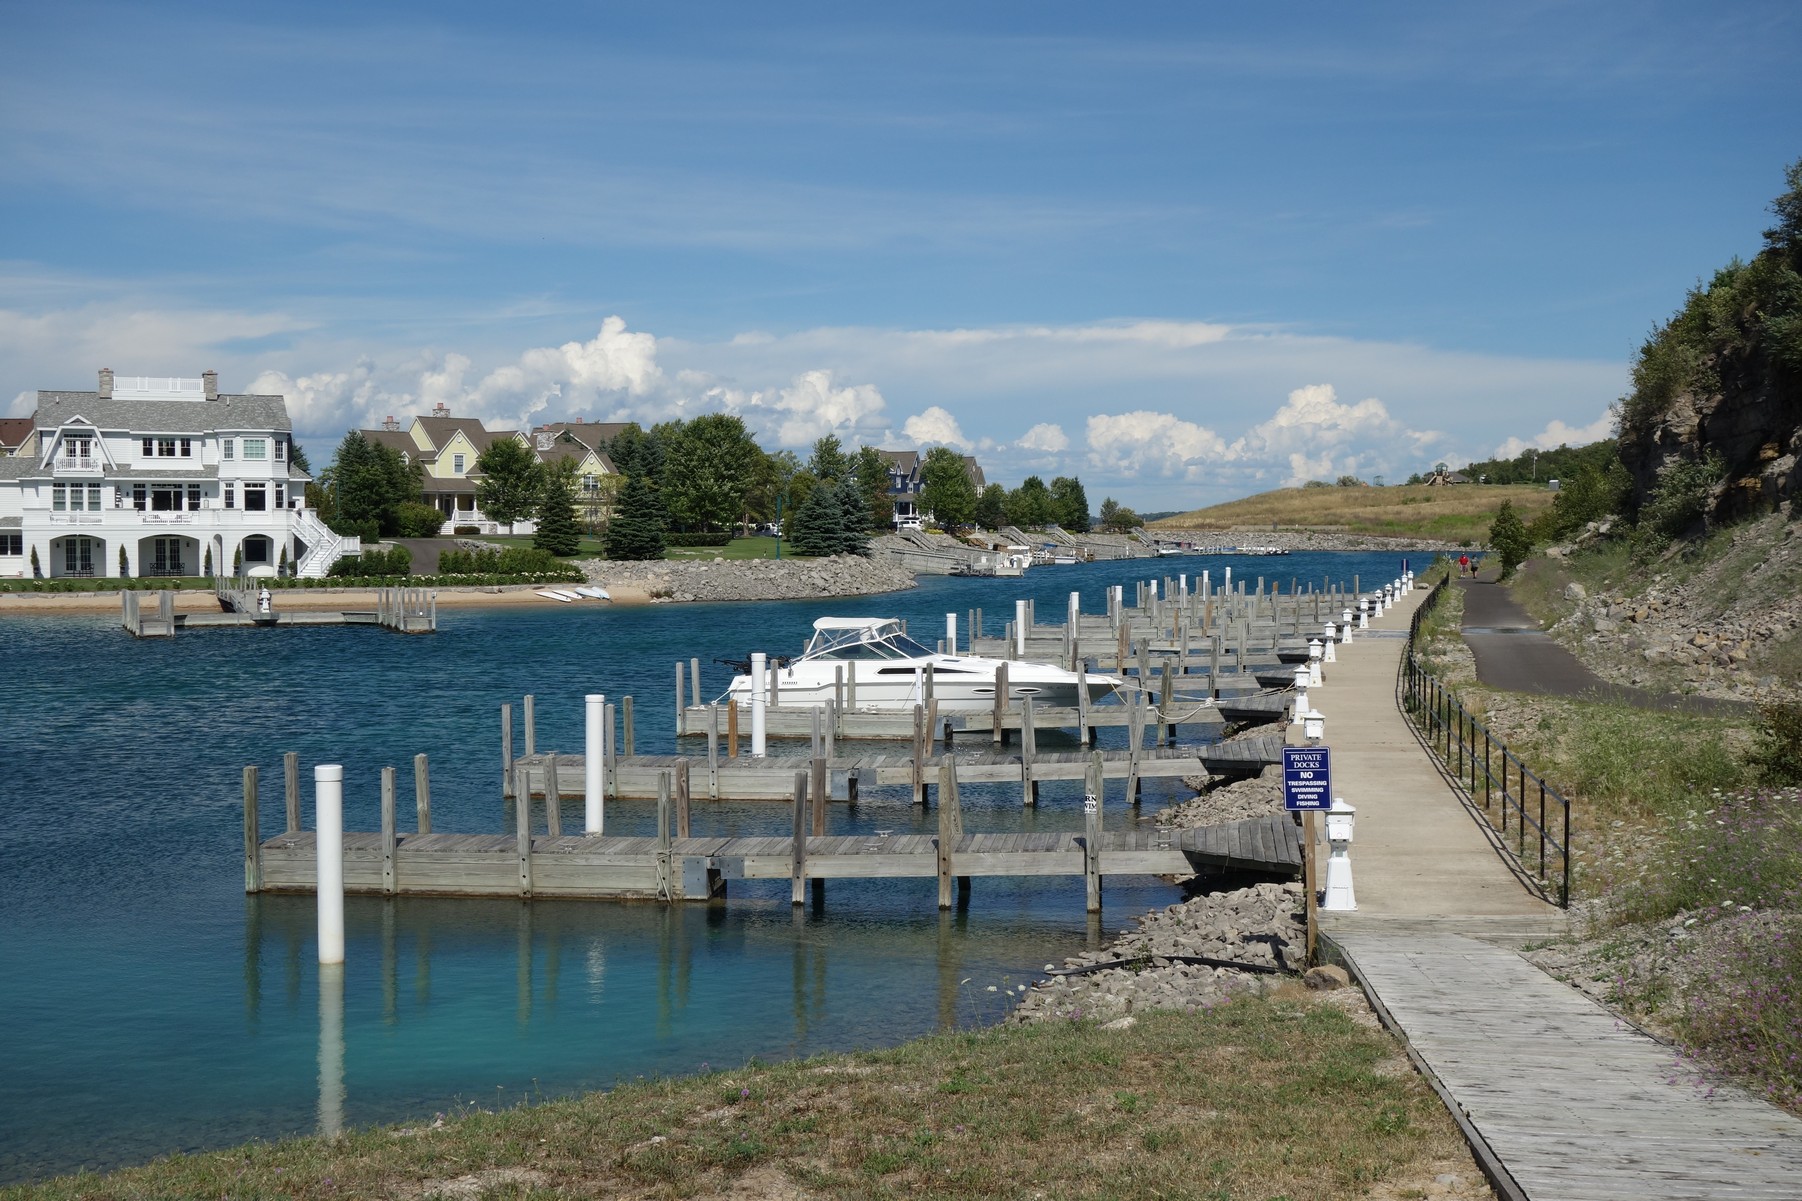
(446, 448)
(582, 443)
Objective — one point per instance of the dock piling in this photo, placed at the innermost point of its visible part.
(1091, 824)
(328, 858)
(522, 829)
(798, 864)
(253, 842)
(291, 789)
(506, 752)
(388, 835)
(553, 797)
(531, 727)
(422, 792)
(594, 712)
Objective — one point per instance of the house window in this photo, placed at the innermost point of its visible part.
(79, 555)
(165, 557)
(590, 484)
(140, 497)
(231, 495)
(75, 449)
(165, 448)
(165, 498)
(194, 496)
(457, 464)
(281, 495)
(225, 448)
(281, 451)
(59, 501)
(149, 447)
(187, 448)
(256, 448)
(256, 498)
(12, 544)
(256, 550)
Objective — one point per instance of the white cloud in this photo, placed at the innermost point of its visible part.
(1557, 434)
(809, 408)
(935, 426)
(1046, 437)
(1137, 442)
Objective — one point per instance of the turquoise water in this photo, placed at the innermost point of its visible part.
(152, 1007)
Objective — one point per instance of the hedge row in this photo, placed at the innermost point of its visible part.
(672, 539)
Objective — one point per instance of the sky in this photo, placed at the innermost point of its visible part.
(1183, 251)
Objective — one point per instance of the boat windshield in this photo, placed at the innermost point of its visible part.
(865, 644)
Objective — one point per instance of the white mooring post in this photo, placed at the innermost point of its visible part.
(1339, 821)
(328, 841)
(593, 811)
(1074, 617)
(951, 633)
(1345, 625)
(1331, 640)
(1020, 626)
(758, 677)
(1363, 612)
(1314, 677)
(1301, 694)
(1227, 585)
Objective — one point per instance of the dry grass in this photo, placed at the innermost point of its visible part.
(1449, 514)
(1286, 1096)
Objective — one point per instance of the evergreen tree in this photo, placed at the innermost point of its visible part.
(828, 462)
(512, 481)
(1116, 518)
(819, 526)
(854, 516)
(1509, 538)
(636, 529)
(557, 530)
(871, 470)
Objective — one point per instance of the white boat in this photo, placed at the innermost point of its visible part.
(594, 593)
(890, 668)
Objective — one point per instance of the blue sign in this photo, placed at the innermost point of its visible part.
(1307, 778)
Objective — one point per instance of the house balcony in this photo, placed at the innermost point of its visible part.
(66, 468)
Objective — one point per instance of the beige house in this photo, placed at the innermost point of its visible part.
(583, 443)
(446, 448)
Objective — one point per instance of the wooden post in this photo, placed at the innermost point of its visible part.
(506, 751)
(851, 686)
(664, 889)
(998, 733)
(681, 708)
(951, 827)
(1029, 748)
(1135, 737)
(775, 685)
(831, 747)
(291, 789)
(253, 841)
(1307, 862)
(918, 769)
(1083, 732)
(838, 686)
(522, 828)
(798, 862)
(609, 755)
(553, 797)
(713, 751)
(817, 794)
(625, 713)
(926, 683)
(388, 833)
(731, 729)
(932, 721)
(1123, 648)
(1214, 665)
(817, 737)
(1167, 705)
(422, 792)
(1091, 850)
(531, 727)
(682, 798)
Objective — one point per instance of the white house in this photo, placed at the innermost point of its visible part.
(170, 473)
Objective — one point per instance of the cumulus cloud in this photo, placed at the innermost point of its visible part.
(935, 426)
(1557, 434)
(1046, 437)
(814, 406)
(1144, 441)
(1311, 436)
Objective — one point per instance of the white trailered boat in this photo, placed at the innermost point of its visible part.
(890, 673)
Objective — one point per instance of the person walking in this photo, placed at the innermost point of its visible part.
(1463, 565)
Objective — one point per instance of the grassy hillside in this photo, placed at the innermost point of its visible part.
(1453, 514)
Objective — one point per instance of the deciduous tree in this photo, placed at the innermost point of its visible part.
(1070, 504)
(512, 481)
(945, 488)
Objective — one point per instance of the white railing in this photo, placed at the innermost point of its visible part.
(323, 546)
(67, 464)
(158, 387)
(77, 518)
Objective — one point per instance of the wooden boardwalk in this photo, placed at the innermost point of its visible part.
(396, 863)
(1575, 1104)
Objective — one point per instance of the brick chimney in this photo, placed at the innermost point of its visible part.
(389, 423)
(441, 409)
(106, 383)
(209, 382)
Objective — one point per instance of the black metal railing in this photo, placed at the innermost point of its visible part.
(1485, 768)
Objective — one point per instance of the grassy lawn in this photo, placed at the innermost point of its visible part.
(1285, 1096)
(1452, 514)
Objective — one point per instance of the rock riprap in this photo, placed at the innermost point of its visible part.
(751, 579)
(1262, 926)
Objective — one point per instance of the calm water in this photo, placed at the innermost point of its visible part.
(151, 1006)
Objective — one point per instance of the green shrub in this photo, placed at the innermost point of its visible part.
(368, 531)
(1777, 756)
(413, 520)
(467, 529)
(670, 539)
(1679, 500)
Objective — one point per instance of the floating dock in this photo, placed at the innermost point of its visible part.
(153, 615)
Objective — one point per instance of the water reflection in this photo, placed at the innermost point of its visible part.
(331, 1049)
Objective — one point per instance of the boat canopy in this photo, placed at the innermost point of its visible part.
(862, 638)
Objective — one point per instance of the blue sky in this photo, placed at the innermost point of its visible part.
(1184, 251)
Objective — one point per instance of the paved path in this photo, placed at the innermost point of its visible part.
(1515, 655)
(1560, 1099)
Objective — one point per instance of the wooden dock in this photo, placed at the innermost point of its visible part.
(403, 610)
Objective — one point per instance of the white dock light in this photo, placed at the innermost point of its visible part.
(1363, 612)
(1315, 680)
(1301, 694)
(1329, 636)
(1345, 625)
(1339, 822)
(759, 673)
(328, 858)
(595, 710)
(1313, 726)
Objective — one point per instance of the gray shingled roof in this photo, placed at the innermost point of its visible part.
(12, 523)
(235, 412)
(18, 467)
(196, 472)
